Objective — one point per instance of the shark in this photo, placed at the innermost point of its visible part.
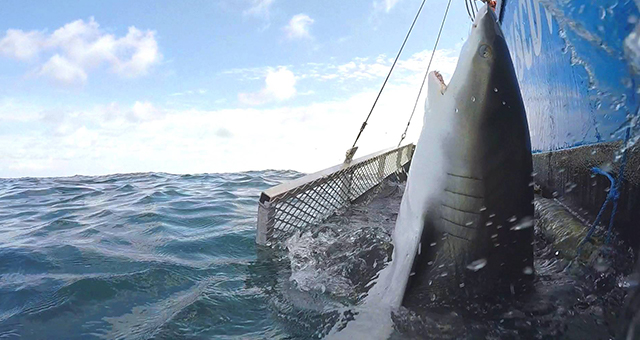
(465, 225)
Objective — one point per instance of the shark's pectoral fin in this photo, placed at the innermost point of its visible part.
(422, 263)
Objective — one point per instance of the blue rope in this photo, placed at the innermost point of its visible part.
(623, 164)
(613, 193)
(612, 196)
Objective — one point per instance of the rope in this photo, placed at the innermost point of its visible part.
(433, 52)
(472, 7)
(466, 4)
(623, 164)
(364, 124)
(472, 15)
(612, 196)
(614, 192)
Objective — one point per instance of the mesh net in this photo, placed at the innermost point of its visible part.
(311, 199)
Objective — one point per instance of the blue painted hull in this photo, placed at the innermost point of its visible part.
(575, 67)
(576, 80)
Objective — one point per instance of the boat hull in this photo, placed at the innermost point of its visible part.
(576, 72)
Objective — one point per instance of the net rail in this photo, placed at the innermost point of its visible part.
(308, 200)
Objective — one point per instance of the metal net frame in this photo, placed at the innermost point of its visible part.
(309, 200)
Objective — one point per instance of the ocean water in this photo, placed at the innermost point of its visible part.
(160, 256)
(132, 256)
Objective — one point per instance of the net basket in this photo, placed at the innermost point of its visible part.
(308, 200)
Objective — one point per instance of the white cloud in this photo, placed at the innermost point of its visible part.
(280, 85)
(260, 8)
(298, 27)
(146, 136)
(78, 47)
(384, 5)
(367, 69)
(63, 70)
(104, 140)
(21, 45)
(189, 92)
(143, 111)
(141, 50)
(363, 69)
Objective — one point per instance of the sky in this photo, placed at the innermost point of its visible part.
(94, 88)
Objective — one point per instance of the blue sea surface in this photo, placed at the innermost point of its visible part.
(161, 256)
(133, 256)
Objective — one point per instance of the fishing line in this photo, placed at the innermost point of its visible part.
(466, 4)
(435, 46)
(364, 124)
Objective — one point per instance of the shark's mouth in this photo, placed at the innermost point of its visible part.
(443, 86)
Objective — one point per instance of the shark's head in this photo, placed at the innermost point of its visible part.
(481, 55)
(485, 32)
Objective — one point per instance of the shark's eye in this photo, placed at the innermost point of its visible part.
(485, 51)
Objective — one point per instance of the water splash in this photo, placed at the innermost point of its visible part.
(477, 265)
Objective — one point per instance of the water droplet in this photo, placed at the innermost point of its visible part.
(492, 215)
(483, 209)
(473, 99)
(433, 244)
(412, 274)
(457, 110)
(468, 224)
(430, 282)
(513, 218)
(477, 265)
(527, 270)
(494, 236)
(430, 263)
(495, 89)
(531, 184)
(504, 103)
(433, 297)
(444, 274)
(489, 223)
(601, 265)
(525, 222)
(630, 281)
(461, 285)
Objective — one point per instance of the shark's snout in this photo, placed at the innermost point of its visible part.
(485, 24)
